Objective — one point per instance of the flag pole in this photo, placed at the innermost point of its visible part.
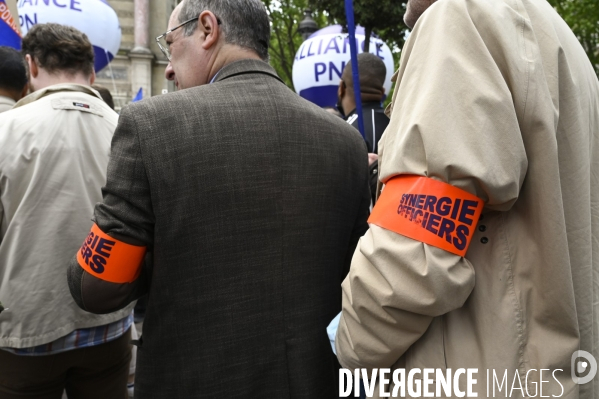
(351, 27)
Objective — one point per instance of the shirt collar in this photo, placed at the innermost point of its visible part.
(7, 100)
(36, 95)
(214, 77)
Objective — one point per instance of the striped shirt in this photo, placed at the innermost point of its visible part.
(82, 338)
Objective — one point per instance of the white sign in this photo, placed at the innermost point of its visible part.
(320, 60)
(95, 18)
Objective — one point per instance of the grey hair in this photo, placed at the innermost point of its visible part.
(244, 23)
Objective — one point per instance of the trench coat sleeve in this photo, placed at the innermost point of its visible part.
(454, 120)
(126, 214)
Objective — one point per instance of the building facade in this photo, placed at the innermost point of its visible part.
(139, 62)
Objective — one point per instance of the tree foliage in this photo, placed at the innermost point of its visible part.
(285, 40)
(384, 17)
(583, 18)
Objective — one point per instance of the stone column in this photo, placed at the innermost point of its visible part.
(142, 26)
(141, 56)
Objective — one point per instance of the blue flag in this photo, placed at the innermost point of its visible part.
(138, 97)
(9, 33)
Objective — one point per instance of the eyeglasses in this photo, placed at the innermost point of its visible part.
(165, 46)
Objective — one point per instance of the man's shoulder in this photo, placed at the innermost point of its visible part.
(482, 15)
(51, 112)
(210, 101)
(55, 104)
(22, 114)
(176, 101)
(348, 132)
(311, 117)
(207, 99)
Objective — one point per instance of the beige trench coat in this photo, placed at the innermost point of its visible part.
(498, 98)
(54, 150)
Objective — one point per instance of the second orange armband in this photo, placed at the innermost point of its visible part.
(109, 259)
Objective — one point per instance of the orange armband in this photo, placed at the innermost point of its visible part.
(109, 259)
(428, 211)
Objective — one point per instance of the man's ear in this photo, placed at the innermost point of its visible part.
(33, 70)
(25, 90)
(208, 24)
(92, 77)
(341, 90)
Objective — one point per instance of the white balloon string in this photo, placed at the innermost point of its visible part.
(111, 74)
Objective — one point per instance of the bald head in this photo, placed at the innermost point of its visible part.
(372, 72)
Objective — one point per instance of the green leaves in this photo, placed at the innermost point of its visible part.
(383, 17)
(583, 18)
(285, 40)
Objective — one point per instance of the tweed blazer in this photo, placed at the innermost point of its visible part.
(252, 201)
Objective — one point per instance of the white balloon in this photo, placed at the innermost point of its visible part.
(95, 18)
(320, 60)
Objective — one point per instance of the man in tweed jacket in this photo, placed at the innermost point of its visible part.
(251, 201)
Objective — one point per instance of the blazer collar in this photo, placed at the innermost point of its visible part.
(245, 66)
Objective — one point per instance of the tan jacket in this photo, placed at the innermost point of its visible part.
(498, 98)
(54, 148)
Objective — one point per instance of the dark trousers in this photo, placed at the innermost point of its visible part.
(98, 372)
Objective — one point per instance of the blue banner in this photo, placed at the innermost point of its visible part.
(351, 27)
(9, 33)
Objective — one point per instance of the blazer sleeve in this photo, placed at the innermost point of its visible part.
(457, 108)
(360, 225)
(125, 214)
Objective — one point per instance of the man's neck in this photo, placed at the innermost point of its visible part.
(348, 102)
(9, 94)
(229, 54)
(45, 79)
